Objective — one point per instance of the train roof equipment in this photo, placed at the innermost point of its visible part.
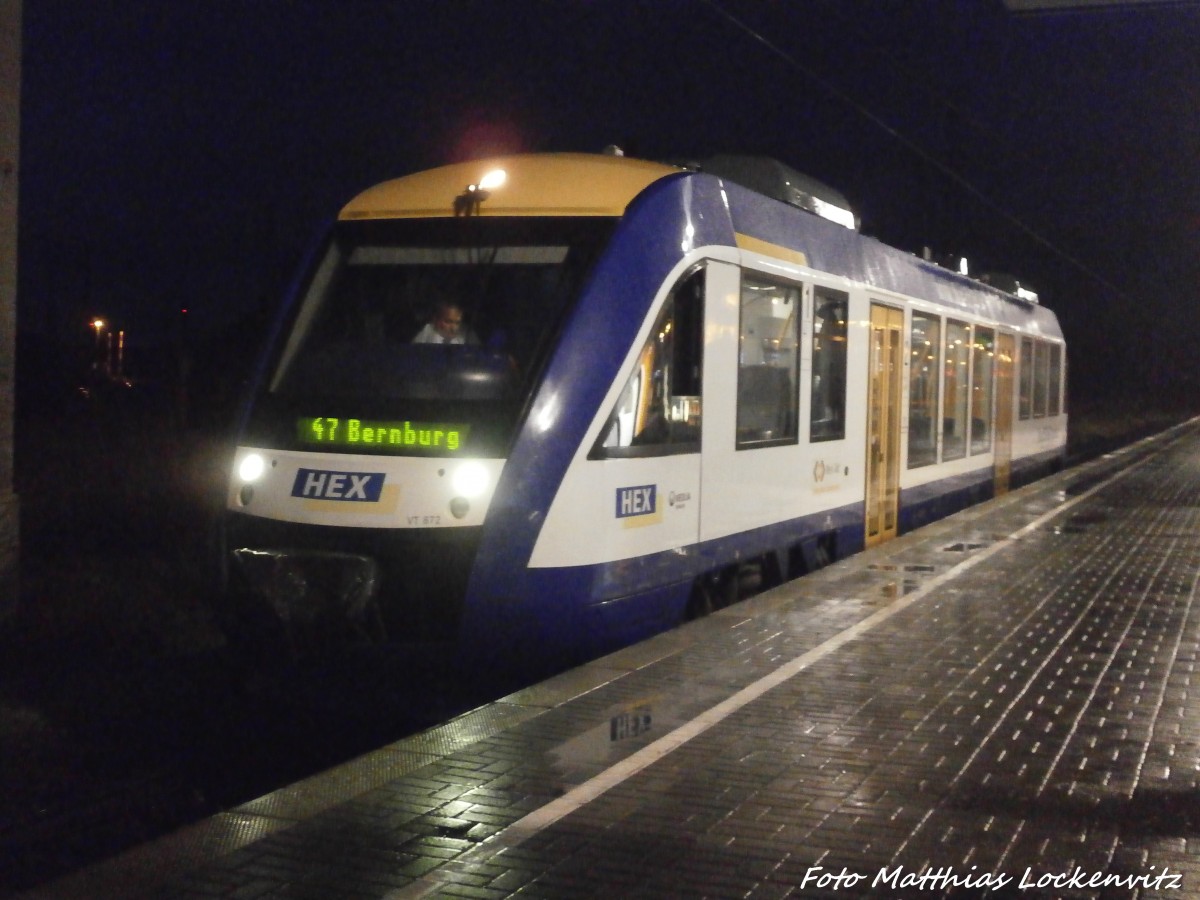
(773, 179)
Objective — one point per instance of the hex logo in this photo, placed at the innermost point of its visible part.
(638, 505)
(637, 501)
(320, 484)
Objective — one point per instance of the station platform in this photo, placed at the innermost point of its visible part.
(1004, 703)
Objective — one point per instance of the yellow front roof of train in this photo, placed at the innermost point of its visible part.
(550, 184)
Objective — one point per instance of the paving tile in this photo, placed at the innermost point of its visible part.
(1037, 710)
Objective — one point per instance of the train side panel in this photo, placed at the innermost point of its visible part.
(629, 540)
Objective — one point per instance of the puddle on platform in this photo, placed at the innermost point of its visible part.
(1079, 523)
(919, 568)
(894, 590)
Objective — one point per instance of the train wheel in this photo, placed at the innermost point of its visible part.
(728, 586)
(700, 602)
(714, 590)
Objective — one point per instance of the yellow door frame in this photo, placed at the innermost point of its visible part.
(885, 376)
(1006, 352)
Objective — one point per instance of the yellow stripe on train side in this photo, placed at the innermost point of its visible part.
(766, 248)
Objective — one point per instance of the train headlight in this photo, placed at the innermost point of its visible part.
(492, 180)
(251, 467)
(470, 479)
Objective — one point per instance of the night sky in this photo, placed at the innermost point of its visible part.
(183, 154)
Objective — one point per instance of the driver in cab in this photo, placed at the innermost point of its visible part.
(445, 327)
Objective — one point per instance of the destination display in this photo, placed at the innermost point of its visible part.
(382, 436)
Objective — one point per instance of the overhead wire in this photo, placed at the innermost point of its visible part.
(917, 149)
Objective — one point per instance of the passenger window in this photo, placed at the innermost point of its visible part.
(828, 411)
(925, 339)
(954, 397)
(983, 356)
(1055, 380)
(768, 360)
(1025, 405)
(1041, 378)
(658, 413)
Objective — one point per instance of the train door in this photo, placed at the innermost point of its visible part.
(883, 423)
(1005, 353)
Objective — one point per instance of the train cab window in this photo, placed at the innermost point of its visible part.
(1053, 405)
(983, 359)
(359, 334)
(768, 362)
(955, 398)
(1025, 404)
(925, 339)
(658, 412)
(828, 410)
(1041, 378)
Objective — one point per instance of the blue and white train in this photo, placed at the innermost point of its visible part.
(653, 381)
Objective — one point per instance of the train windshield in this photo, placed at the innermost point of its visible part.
(436, 320)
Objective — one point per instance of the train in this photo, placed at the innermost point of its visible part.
(539, 407)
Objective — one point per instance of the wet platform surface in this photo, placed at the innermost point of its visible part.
(1008, 699)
